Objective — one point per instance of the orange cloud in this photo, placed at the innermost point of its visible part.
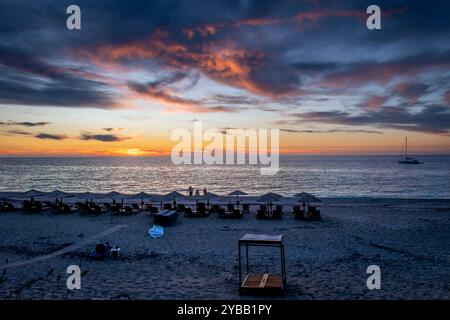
(223, 63)
(375, 102)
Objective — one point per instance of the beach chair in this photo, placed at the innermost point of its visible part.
(215, 208)
(277, 213)
(230, 207)
(188, 212)
(236, 214)
(7, 207)
(314, 214)
(181, 207)
(127, 210)
(167, 206)
(245, 208)
(136, 208)
(262, 214)
(151, 208)
(222, 213)
(299, 214)
(62, 208)
(201, 212)
(32, 206)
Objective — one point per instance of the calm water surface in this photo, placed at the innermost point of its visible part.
(326, 176)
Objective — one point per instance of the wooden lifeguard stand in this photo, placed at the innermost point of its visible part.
(261, 282)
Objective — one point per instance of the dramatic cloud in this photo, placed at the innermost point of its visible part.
(431, 119)
(411, 91)
(27, 80)
(161, 91)
(447, 98)
(227, 56)
(375, 102)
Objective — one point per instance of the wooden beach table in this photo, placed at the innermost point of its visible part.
(261, 282)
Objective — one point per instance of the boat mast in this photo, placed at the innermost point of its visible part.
(406, 147)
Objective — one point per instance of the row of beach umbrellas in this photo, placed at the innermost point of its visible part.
(267, 197)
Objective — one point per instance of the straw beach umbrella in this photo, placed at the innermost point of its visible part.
(270, 197)
(171, 196)
(306, 197)
(237, 193)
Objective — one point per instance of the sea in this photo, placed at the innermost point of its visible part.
(323, 176)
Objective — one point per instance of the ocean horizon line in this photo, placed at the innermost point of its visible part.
(281, 155)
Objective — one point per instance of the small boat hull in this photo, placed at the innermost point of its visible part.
(410, 161)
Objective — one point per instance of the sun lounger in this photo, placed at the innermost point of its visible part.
(61, 208)
(188, 212)
(236, 214)
(7, 207)
(215, 208)
(314, 214)
(201, 212)
(167, 206)
(135, 207)
(245, 208)
(262, 214)
(181, 208)
(222, 213)
(32, 206)
(298, 213)
(151, 208)
(277, 213)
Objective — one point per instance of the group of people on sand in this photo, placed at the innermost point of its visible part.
(190, 191)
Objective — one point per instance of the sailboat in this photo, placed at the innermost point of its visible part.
(408, 160)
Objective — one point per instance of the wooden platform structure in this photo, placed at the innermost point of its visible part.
(165, 218)
(261, 282)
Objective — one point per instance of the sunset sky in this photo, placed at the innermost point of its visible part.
(139, 69)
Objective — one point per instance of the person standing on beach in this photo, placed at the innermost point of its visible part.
(190, 190)
(205, 191)
(197, 193)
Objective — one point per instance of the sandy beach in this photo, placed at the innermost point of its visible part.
(197, 258)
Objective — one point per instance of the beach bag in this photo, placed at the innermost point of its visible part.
(156, 232)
